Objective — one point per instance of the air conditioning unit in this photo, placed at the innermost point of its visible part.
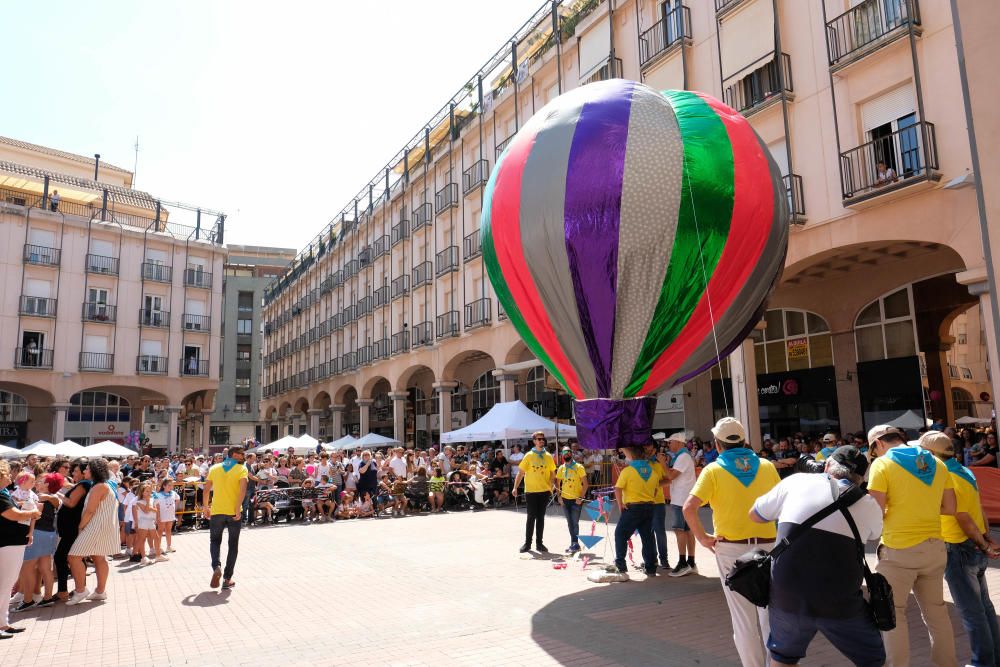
(152, 428)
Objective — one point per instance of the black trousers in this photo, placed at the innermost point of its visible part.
(61, 559)
(536, 503)
(216, 524)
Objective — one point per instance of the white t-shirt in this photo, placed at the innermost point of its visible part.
(443, 461)
(320, 471)
(516, 457)
(397, 466)
(167, 502)
(680, 487)
(801, 495)
(130, 500)
(356, 461)
(28, 501)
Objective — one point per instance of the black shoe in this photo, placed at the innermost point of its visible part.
(135, 559)
(48, 602)
(651, 573)
(24, 606)
(11, 629)
(5, 635)
(541, 547)
(525, 548)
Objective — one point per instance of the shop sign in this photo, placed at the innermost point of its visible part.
(798, 348)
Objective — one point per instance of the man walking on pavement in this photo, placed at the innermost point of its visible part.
(572, 480)
(914, 489)
(731, 484)
(538, 470)
(680, 472)
(226, 485)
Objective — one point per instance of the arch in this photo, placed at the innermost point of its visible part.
(34, 396)
(368, 390)
(418, 371)
(342, 392)
(321, 401)
(963, 403)
(301, 405)
(473, 357)
(517, 352)
(890, 314)
(284, 409)
(270, 413)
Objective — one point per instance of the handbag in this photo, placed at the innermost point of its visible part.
(750, 575)
(881, 606)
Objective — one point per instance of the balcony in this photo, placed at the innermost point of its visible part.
(606, 72)
(197, 278)
(194, 367)
(382, 296)
(447, 260)
(338, 278)
(447, 325)
(364, 355)
(909, 156)
(326, 286)
(41, 255)
(662, 37)
(154, 318)
(99, 312)
(380, 349)
(722, 6)
(423, 335)
(446, 198)
(501, 313)
(365, 305)
(380, 246)
(472, 245)
(400, 286)
(502, 146)
(37, 306)
(351, 269)
(868, 27)
(97, 362)
(761, 86)
(194, 322)
(349, 314)
(475, 176)
(365, 257)
(156, 272)
(422, 216)
(102, 264)
(400, 342)
(478, 313)
(422, 274)
(796, 200)
(348, 362)
(399, 232)
(335, 323)
(149, 365)
(33, 357)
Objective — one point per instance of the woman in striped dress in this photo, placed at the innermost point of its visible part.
(98, 536)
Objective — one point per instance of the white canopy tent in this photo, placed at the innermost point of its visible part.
(308, 442)
(508, 421)
(8, 452)
(972, 420)
(280, 445)
(66, 448)
(374, 440)
(108, 449)
(910, 420)
(346, 442)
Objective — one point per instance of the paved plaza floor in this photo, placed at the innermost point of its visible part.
(424, 590)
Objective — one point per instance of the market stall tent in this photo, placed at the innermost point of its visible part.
(508, 421)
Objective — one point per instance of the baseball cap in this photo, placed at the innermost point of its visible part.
(660, 436)
(829, 437)
(729, 430)
(938, 443)
(852, 458)
(677, 437)
(879, 431)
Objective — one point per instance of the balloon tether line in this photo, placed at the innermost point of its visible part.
(708, 295)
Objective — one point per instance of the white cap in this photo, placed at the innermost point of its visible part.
(677, 437)
(659, 436)
(877, 432)
(729, 431)
(829, 437)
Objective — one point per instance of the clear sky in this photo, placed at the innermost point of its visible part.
(274, 113)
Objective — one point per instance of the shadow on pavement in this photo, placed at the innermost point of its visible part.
(207, 599)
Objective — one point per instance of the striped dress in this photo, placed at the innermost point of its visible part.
(100, 537)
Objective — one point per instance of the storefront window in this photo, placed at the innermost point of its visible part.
(13, 407)
(884, 329)
(98, 406)
(485, 393)
(792, 340)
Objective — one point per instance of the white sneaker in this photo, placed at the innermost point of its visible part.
(78, 597)
(97, 597)
(17, 599)
(171, 550)
(161, 559)
(145, 561)
(38, 597)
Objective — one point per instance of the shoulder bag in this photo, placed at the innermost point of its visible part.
(880, 602)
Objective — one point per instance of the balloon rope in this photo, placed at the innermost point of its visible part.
(708, 295)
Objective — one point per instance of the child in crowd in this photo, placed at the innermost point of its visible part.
(350, 479)
(347, 510)
(144, 515)
(166, 506)
(365, 509)
(326, 500)
(399, 501)
(308, 501)
(25, 495)
(436, 493)
(129, 502)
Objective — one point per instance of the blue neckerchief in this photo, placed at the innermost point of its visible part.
(567, 467)
(114, 487)
(741, 463)
(4, 492)
(826, 451)
(227, 464)
(956, 468)
(644, 469)
(676, 455)
(915, 460)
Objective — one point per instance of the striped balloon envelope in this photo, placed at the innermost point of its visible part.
(633, 238)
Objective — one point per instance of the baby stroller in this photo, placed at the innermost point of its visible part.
(456, 496)
(416, 493)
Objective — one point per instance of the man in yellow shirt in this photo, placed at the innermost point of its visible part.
(538, 470)
(572, 480)
(969, 547)
(731, 484)
(226, 485)
(914, 489)
(635, 493)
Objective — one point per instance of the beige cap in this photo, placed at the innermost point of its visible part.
(729, 430)
(829, 437)
(677, 437)
(937, 442)
(877, 432)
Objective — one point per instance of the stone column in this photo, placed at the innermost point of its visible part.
(172, 412)
(698, 405)
(399, 415)
(206, 430)
(282, 427)
(364, 409)
(743, 371)
(981, 289)
(444, 404)
(845, 355)
(507, 382)
(337, 418)
(182, 435)
(58, 411)
(314, 417)
(939, 378)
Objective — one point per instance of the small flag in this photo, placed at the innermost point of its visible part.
(590, 540)
(594, 514)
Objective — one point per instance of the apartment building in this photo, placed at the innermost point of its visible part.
(112, 301)
(386, 320)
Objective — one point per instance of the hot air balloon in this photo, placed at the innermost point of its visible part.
(633, 238)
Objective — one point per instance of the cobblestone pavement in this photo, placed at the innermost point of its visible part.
(428, 590)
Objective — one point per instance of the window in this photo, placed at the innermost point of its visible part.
(885, 329)
(485, 393)
(241, 383)
(242, 405)
(534, 385)
(792, 340)
(961, 401)
(243, 353)
(244, 327)
(245, 302)
(98, 406)
(13, 407)
(219, 435)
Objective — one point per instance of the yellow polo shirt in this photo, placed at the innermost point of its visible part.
(226, 488)
(731, 501)
(968, 501)
(538, 469)
(571, 481)
(912, 508)
(635, 489)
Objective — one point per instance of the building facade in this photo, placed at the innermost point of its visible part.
(113, 301)
(387, 322)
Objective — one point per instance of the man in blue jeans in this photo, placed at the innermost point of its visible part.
(635, 494)
(969, 547)
(226, 485)
(571, 478)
